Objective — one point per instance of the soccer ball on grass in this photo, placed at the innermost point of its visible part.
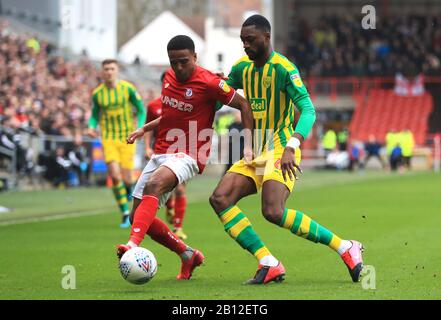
(138, 265)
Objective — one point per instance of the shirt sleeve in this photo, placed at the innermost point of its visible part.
(149, 113)
(300, 97)
(94, 118)
(219, 90)
(136, 100)
(235, 77)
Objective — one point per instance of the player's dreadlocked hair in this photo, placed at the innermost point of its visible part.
(180, 42)
(259, 22)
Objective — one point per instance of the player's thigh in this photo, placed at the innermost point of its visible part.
(182, 165)
(127, 175)
(241, 170)
(150, 167)
(127, 155)
(162, 180)
(180, 190)
(114, 170)
(232, 187)
(136, 203)
(273, 171)
(274, 196)
(111, 152)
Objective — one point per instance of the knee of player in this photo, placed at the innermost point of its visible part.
(218, 201)
(116, 179)
(154, 186)
(180, 190)
(272, 213)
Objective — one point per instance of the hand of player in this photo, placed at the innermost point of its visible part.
(248, 155)
(288, 164)
(148, 153)
(135, 135)
(92, 133)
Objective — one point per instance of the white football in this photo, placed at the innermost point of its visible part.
(138, 265)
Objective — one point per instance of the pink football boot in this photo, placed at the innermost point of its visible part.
(353, 260)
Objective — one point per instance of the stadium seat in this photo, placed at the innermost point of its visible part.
(383, 110)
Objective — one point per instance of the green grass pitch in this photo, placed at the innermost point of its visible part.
(396, 217)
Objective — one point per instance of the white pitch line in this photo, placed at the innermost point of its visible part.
(53, 217)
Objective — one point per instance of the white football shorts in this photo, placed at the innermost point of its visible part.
(182, 165)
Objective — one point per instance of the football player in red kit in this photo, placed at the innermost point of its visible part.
(183, 141)
(176, 205)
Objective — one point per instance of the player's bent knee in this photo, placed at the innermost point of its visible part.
(153, 186)
(219, 202)
(180, 190)
(273, 214)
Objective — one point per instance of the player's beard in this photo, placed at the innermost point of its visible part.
(255, 54)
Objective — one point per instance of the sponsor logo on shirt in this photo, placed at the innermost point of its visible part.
(175, 103)
(267, 82)
(188, 93)
(295, 78)
(277, 164)
(224, 86)
(258, 105)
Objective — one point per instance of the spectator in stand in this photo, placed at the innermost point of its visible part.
(407, 143)
(41, 90)
(395, 158)
(342, 138)
(356, 154)
(392, 141)
(337, 46)
(79, 155)
(373, 148)
(57, 167)
(329, 141)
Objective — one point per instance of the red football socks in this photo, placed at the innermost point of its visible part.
(143, 218)
(180, 206)
(162, 234)
(170, 204)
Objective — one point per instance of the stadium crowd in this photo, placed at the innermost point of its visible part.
(339, 46)
(40, 90)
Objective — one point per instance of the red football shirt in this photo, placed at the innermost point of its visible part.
(188, 110)
(154, 109)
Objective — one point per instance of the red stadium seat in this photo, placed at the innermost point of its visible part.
(384, 110)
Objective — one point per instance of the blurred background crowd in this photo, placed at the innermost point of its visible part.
(45, 91)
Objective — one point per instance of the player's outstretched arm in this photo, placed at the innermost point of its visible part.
(139, 133)
(243, 105)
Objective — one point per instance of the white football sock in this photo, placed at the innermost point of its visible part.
(345, 245)
(132, 244)
(269, 261)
